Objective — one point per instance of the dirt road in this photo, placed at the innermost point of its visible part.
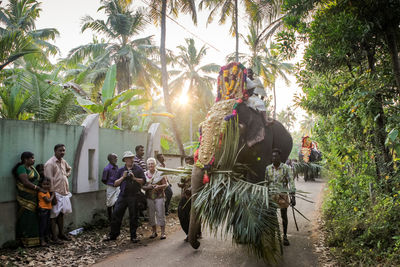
(217, 252)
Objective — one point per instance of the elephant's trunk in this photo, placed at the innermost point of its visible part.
(195, 224)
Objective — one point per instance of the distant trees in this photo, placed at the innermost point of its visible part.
(159, 13)
(349, 77)
(19, 36)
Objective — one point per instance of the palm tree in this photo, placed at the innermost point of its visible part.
(258, 11)
(27, 94)
(287, 118)
(131, 56)
(19, 36)
(272, 67)
(307, 124)
(200, 84)
(159, 13)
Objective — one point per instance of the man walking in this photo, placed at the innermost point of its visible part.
(109, 177)
(131, 177)
(280, 179)
(58, 171)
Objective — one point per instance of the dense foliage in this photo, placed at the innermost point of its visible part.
(349, 79)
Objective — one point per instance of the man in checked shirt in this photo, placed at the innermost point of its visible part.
(280, 178)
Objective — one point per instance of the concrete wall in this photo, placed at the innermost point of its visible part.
(86, 162)
(174, 161)
(115, 141)
(39, 138)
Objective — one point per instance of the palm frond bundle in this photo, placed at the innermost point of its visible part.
(301, 167)
(238, 207)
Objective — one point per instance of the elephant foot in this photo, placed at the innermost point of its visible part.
(195, 244)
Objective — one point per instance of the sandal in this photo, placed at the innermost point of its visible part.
(163, 236)
(153, 235)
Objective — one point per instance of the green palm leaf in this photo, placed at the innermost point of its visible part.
(239, 208)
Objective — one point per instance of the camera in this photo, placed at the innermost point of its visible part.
(130, 173)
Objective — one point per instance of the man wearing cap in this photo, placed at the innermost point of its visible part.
(131, 178)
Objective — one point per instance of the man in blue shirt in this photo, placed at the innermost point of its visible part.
(131, 178)
(109, 177)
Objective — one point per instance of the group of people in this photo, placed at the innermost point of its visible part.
(124, 191)
(43, 195)
(43, 198)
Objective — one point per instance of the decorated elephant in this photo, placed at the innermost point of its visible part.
(309, 153)
(256, 139)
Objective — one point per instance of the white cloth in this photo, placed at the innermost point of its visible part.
(155, 178)
(63, 205)
(256, 103)
(112, 195)
(156, 209)
(256, 85)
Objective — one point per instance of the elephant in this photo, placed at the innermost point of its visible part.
(258, 139)
(311, 173)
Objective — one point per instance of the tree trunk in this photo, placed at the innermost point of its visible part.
(164, 77)
(274, 100)
(236, 32)
(394, 53)
(383, 156)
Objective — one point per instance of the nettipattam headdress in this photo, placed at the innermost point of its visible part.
(232, 82)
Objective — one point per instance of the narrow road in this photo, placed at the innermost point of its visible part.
(217, 252)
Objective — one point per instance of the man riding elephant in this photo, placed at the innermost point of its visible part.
(309, 153)
(256, 93)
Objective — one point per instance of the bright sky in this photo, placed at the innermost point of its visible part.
(66, 15)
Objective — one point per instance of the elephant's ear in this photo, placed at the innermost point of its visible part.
(255, 129)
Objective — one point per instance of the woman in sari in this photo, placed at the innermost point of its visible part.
(154, 187)
(27, 179)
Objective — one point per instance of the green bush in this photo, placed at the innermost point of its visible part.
(362, 221)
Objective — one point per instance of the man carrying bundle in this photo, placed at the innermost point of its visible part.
(280, 179)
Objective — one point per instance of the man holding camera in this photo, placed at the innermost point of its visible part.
(131, 178)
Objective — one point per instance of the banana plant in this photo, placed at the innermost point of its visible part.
(112, 104)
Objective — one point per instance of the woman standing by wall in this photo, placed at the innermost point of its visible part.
(27, 180)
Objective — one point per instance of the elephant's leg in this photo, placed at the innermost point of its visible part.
(195, 225)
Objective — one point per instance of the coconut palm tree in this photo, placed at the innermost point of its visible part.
(287, 118)
(272, 67)
(200, 84)
(307, 124)
(158, 13)
(131, 56)
(19, 36)
(258, 11)
(27, 94)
